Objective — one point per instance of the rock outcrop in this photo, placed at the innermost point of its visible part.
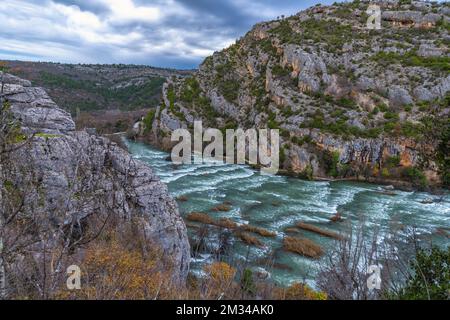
(77, 175)
(349, 102)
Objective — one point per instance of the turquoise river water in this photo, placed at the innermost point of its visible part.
(276, 203)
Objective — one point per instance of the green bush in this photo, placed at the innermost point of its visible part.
(393, 161)
(247, 282)
(430, 279)
(229, 90)
(279, 71)
(415, 176)
(391, 116)
(307, 173)
(148, 120)
(411, 59)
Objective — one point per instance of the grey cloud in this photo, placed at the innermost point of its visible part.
(88, 31)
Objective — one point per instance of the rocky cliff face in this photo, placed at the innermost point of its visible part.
(76, 175)
(350, 102)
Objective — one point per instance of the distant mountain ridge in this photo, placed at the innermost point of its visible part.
(87, 88)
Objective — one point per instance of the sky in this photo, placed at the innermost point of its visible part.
(162, 33)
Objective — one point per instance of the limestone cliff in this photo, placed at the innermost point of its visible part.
(349, 102)
(77, 175)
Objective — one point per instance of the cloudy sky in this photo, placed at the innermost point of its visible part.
(165, 33)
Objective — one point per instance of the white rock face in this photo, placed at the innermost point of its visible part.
(88, 175)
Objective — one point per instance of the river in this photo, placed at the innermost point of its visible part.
(277, 202)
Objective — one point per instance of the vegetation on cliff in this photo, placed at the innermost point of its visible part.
(330, 85)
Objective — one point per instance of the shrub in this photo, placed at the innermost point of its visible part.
(304, 247)
(229, 89)
(257, 230)
(391, 116)
(415, 176)
(249, 239)
(393, 161)
(247, 282)
(220, 278)
(430, 276)
(322, 232)
(279, 71)
(300, 291)
(148, 120)
(307, 173)
(331, 163)
(200, 217)
(222, 207)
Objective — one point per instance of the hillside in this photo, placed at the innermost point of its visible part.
(351, 103)
(62, 190)
(96, 87)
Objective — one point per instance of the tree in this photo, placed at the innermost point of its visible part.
(429, 278)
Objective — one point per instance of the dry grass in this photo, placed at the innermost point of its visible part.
(205, 219)
(304, 247)
(200, 217)
(291, 230)
(322, 232)
(299, 291)
(260, 231)
(249, 239)
(182, 198)
(222, 207)
(226, 223)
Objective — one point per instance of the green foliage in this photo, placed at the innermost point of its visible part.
(346, 103)
(393, 162)
(15, 135)
(415, 176)
(47, 135)
(92, 96)
(307, 173)
(284, 31)
(391, 116)
(331, 163)
(411, 59)
(272, 123)
(385, 173)
(279, 71)
(229, 90)
(442, 128)
(247, 282)
(301, 141)
(331, 32)
(191, 90)
(282, 155)
(171, 96)
(267, 46)
(430, 277)
(382, 107)
(3, 66)
(148, 120)
(411, 130)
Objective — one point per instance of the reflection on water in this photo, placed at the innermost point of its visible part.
(276, 203)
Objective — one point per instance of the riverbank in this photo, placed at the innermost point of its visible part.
(277, 204)
(402, 185)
